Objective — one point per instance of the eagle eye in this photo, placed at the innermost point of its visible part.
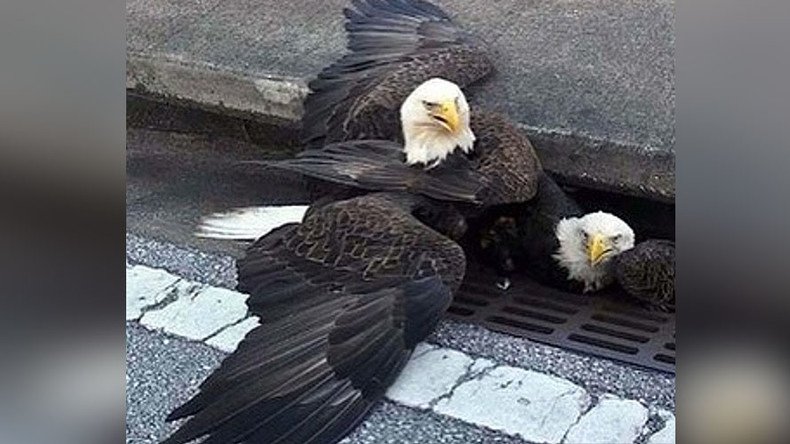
(429, 105)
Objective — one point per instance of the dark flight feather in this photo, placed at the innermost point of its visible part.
(379, 165)
(395, 46)
(343, 298)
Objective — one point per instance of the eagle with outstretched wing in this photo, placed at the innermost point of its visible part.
(345, 295)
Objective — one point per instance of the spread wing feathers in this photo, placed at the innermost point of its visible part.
(396, 45)
(343, 298)
(378, 165)
(505, 156)
(647, 272)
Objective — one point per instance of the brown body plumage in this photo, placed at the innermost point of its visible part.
(647, 273)
(397, 45)
(343, 298)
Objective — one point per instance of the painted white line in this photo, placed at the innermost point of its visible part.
(228, 339)
(666, 435)
(430, 374)
(612, 421)
(537, 407)
(198, 312)
(145, 287)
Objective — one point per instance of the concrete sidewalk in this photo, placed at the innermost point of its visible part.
(592, 82)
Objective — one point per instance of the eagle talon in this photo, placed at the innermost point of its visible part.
(503, 284)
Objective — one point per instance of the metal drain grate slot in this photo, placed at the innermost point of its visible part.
(520, 324)
(532, 302)
(606, 325)
(665, 358)
(534, 315)
(647, 316)
(625, 323)
(615, 333)
(604, 343)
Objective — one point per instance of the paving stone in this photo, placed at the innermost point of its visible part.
(539, 408)
(612, 421)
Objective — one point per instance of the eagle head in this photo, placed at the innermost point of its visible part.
(588, 243)
(435, 120)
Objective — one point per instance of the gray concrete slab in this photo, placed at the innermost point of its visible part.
(591, 81)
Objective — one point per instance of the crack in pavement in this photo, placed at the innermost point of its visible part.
(247, 315)
(469, 375)
(172, 295)
(586, 407)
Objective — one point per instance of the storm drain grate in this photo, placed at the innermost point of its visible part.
(604, 325)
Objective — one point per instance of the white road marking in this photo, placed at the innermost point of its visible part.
(537, 407)
(612, 421)
(145, 287)
(666, 435)
(228, 339)
(431, 373)
(248, 223)
(198, 311)
(540, 408)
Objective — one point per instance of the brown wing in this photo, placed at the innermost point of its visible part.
(647, 272)
(395, 45)
(379, 165)
(505, 156)
(503, 168)
(343, 299)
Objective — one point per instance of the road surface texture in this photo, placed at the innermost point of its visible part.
(463, 385)
(592, 82)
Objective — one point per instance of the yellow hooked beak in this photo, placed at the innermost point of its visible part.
(447, 114)
(596, 248)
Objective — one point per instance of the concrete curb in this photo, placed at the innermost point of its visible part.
(575, 159)
(180, 80)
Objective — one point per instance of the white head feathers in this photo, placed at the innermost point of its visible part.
(587, 245)
(435, 120)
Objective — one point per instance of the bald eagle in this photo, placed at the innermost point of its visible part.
(402, 82)
(345, 294)
(588, 243)
(552, 240)
(343, 298)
